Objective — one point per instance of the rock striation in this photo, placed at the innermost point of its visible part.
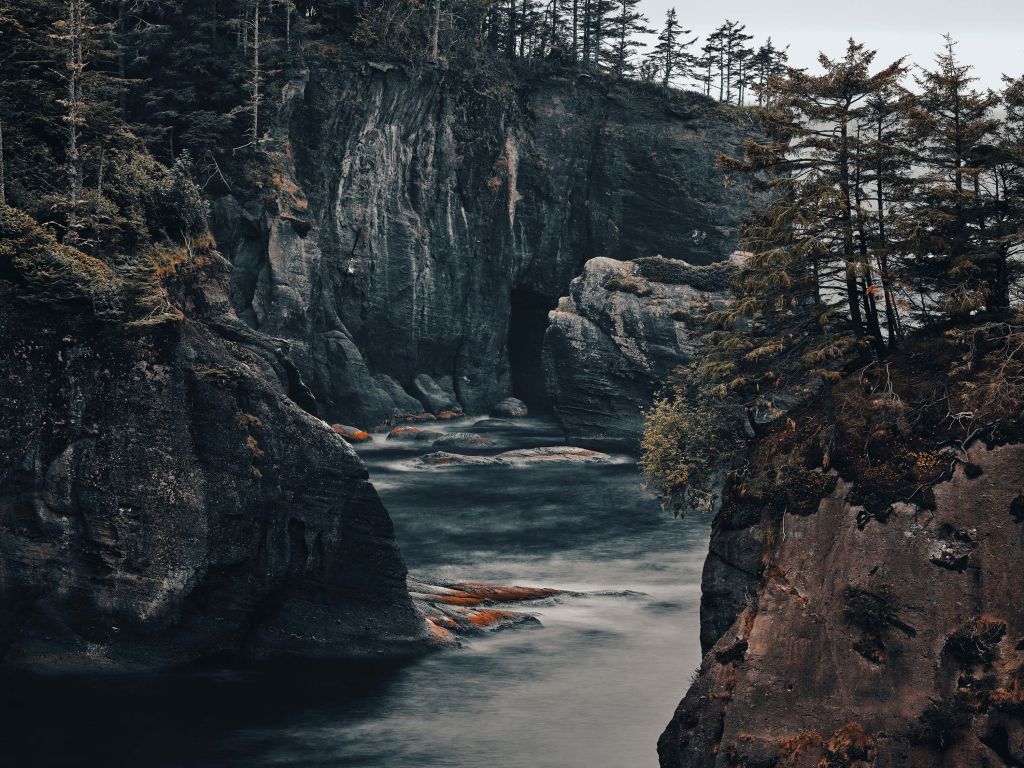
(164, 498)
(618, 335)
(421, 219)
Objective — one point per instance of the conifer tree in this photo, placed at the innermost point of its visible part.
(671, 55)
(626, 24)
(960, 269)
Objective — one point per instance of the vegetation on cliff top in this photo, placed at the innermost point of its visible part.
(882, 292)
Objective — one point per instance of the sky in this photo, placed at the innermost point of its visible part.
(990, 32)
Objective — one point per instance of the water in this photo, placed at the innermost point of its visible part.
(592, 686)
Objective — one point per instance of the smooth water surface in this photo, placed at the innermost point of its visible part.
(591, 687)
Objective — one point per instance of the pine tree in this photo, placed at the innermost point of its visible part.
(671, 55)
(811, 158)
(955, 255)
(626, 23)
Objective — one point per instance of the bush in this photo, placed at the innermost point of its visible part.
(713, 277)
(48, 272)
(977, 642)
(941, 722)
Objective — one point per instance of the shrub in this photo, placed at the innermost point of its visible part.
(977, 642)
(713, 277)
(48, 272)
(941, 723)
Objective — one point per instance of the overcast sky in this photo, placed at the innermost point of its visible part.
(991, 32)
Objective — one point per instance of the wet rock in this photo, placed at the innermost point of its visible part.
(465, 608)
(510, 408)
(465, 442)
(554, 455)
(521, 458)
(414, 434)
(352, 434)
(445, 459)
(436, 397)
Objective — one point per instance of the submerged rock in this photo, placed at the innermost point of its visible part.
(510, 408)
(414, 434)
(615, 339)
(465, 441)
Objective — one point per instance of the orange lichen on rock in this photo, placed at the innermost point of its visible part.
(491, 617)
(497, 593)
(352, 434)
(438, 634)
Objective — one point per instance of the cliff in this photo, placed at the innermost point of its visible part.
(864, 611)
(618, 335)
(163, 499)
(422, 223)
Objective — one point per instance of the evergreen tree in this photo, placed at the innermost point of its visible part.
(626, 24)
(671, 55)
(956, 259)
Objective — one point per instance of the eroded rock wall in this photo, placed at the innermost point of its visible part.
(410, 203)
(162, 498)
(870, 643)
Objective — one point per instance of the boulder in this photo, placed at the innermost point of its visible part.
(352, 434)
(510, 408)
(465, 442)
(438, 398)
(414, 434)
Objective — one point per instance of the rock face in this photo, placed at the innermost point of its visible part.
(421, 223)
(613, 342)
(868, 643)
(162, 499)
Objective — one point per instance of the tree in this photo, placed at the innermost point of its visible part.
(807, 238)
(625, 25)
(956, 259)
(671, 55)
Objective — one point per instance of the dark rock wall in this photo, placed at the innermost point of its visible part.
(162, 499)
(410, 204)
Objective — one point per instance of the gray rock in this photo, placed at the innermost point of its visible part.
(164, 500)
(436, 397)
(614, 340)
(510, 408)
(411, 212)
(465, 442)
(522, 458)
(414, 434)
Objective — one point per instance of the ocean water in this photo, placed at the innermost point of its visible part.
(591, 686)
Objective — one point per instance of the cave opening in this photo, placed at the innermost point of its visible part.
(527, 325)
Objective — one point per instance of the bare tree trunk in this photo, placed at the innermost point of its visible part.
(75, 65)
(256, 76)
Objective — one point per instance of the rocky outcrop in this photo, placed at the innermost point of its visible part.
(419, 221)
(618, 335)
(163, 498)
(869, 640)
